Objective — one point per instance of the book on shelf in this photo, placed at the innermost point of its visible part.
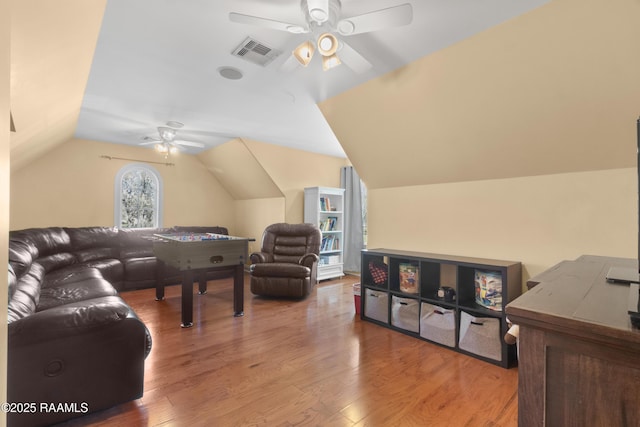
(329, 224)
(325, 204)
(330, 243)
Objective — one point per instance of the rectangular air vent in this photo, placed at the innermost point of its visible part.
(256, 52)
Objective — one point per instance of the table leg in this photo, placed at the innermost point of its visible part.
(187, 299)
(160, 275)
(202, 283)
(238, 291)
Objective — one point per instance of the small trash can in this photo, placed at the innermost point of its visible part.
(356, 296)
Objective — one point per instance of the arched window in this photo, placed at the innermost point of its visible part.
(138, 197)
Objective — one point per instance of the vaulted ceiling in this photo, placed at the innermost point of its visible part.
(114, 70)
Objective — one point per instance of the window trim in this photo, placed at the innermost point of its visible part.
(117, 206)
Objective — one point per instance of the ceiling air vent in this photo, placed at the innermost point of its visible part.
(256, 52)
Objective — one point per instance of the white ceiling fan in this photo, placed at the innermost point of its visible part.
(323, 21)
(166, 142)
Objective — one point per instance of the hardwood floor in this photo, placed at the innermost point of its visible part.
(310, 362)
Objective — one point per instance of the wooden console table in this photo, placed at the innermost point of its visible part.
(579, 355)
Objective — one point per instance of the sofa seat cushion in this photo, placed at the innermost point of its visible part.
(136, 269)
(277, 269)
(287, 287)
(71, 274)
(66, 293)
(111, 269)
(95, 254)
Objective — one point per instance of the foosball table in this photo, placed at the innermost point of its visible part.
(194, 254)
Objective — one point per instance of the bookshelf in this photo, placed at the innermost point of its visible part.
(324, 207)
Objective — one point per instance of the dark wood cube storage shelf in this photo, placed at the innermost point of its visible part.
(400, 290)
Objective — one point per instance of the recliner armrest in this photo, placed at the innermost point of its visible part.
(308, 259)
(260, 257)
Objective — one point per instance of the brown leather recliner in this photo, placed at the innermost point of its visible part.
(287, 263)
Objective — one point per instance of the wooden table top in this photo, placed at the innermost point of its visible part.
(575, 296)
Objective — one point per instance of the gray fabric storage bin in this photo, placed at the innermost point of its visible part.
(438, 324)
(376, 305)
(405, 313)
(480, 335)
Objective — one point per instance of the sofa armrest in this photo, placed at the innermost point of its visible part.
(68, 319)
(61, 354)
(308, 260)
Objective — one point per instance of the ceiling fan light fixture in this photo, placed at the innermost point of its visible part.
(173, 149)
(327, 44)
(161, 148)
(329, 62)
(304, 52)
(174, 124)
(167, 133)
(318, 10)
(346, 27)
(319, 15)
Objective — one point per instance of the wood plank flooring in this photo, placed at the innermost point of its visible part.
(301, 363)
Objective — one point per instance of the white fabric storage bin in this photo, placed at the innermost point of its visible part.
(480, 335)
(405, 313)
(376, 305)
(438, 324)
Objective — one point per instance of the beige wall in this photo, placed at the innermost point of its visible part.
(518, 143)
(293, 170)
(73, 186)
(538, 221)
(52, 46)
(554, 90)
(5, 57)
(253, 216)
(237, 169)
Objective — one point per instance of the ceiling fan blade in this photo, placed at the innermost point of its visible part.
(189, 144)
(395, 16)
(267, 23)
(352, 59)
(148, 140)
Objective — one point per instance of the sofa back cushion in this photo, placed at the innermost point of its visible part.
(12, 282)
(47, 241)
(24, 294)
(56, 261)
(92, 237)
(21, 255)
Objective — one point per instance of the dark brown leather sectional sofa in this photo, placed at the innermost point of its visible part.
(74, 345)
